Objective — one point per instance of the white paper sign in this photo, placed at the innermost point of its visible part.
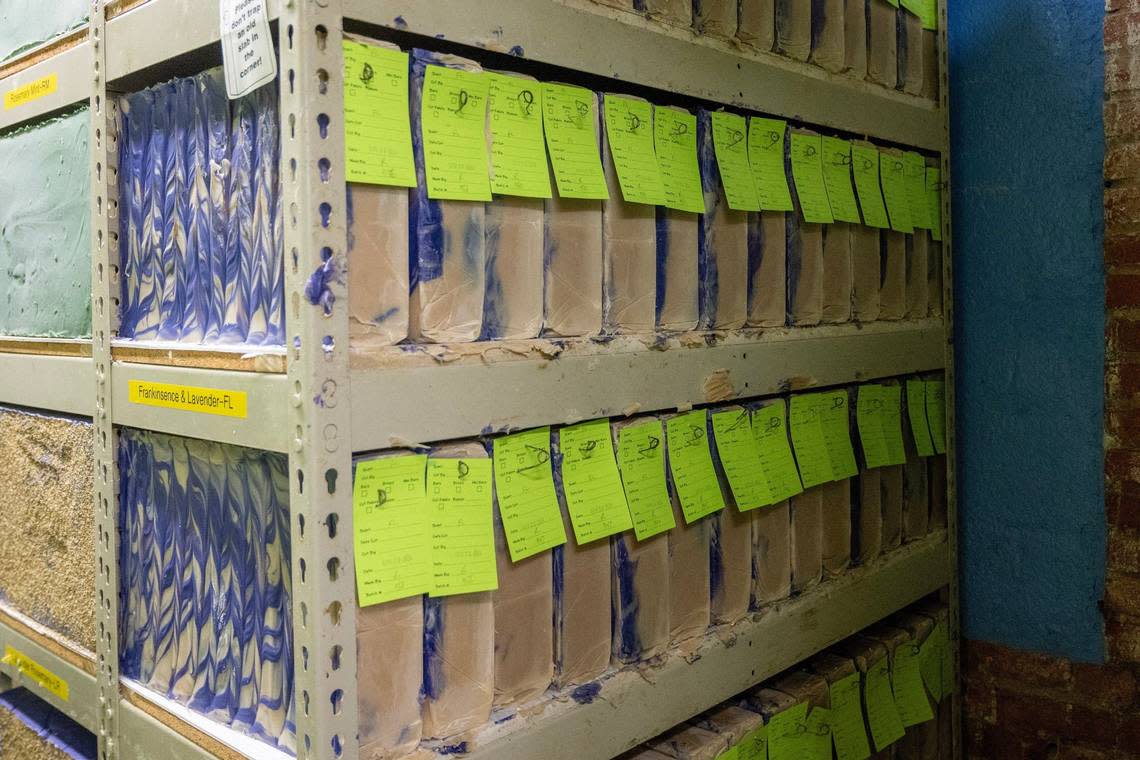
(247, 46)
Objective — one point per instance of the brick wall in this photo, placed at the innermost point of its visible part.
(1027, 705)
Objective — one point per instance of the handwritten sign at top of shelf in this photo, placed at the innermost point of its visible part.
(730, 145)
(248, 58)
(893, 170)
(590, 479)
(865, 167)
(569, 118)
(916, 189)
(847, 728)
(837, 178)
(462, 526)
(879, 417)
(916, 414)
(454, 137)
(766, 142)
(807, 170)
(630, 137)
(934, 200)
(518, 148)
(936, 413)
(524, 488)
(690, 462)
(771, 432)
(377, 130)
(675, 139)
(391, 529)
(641, 459)
(739, 454)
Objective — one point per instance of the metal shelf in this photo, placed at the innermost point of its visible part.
(466, 398)
(635, 705)
(72, 69)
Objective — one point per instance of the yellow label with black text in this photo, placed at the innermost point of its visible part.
(188, 398)
(34, 90)
(36, 673)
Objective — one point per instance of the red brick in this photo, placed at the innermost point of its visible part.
(1023, 668)
(1122, 333)
(1123, 635)
(1122, 160)
(1093, 727)
(1122, 504)
(1122, 291)
(1122, 382)
(1122, 116)
(1121, 70)
(1122, 594)
(1121, 30)
(1121, 210)
(1123, 250)
(1104, 685)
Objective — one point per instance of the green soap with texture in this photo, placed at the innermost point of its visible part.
(24, 24)
(45, 248)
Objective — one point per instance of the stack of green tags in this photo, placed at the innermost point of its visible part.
(879, 416)
(594, 495)
(822, 437)
(691, 465)
(926, 412)
(641, 459)
(524, 489)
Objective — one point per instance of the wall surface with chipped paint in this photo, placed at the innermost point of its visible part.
(1027, 81)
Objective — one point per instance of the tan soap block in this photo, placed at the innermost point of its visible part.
(918, 626)
(47, 568)
(724, 250)
(865, 273)
(731, 564)
(673, 12)
(889, 636)
(643, 753)
(689, 595)
(882, 43)
(629, 254)
(716, 18)
(934, 278)
(768, 268)
(793, 28)
(378, 264)
(678, 301)
(730, 721)
(892, 288)
(771, 554)
(640, 596)
(513, 303)
(855, 31)
(805, 687)
(690, 743)
(756, 24)
(917, 275)
(864, 651)
(807, 539)
(911, 57)
(870, 541)
(930, 73)
(837, 273)
(389, 672)
(916, 489)
(836, 534)
(891, 480)
(805, 271)
(832, 667)
(769, 702)
(524, 624)
(829, 34)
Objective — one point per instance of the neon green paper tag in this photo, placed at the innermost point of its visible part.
(590, 479)
(787, 732)
(732, 753)
(730, 144)
(775, 452)
(936, 413)
(837, 178)
(882, 715)
(462, 526)
(691, 465)
(739, 454)
(754, 745)
(766, 139)
(524, 487)
(894, 3)
(916, 413)
(391, 529)
(377, 127)
(835, 418)
(807, 170)
(937, 664)
(571, 126)
(675, 140)
(641, 459)
(848, 731)
(926, 10)
(453, 125)
(906, 680)
(916, 190)
(879, 417)
(893, 169)
(629, 133)
(934, 200)
(865, 168)
(809, 441)
(817, 739)
(518, 147)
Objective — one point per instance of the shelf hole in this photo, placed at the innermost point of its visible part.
(305, 660)
(301, 525)
(336, 698)
(334, 568)
(308, 744)
(304, 615)
(324, 165)
(292, 76)
(300, 474)
(331, 522)
(326, 214)
(334, 656)
(326, 253)
(322, 81)
(336, 748)
(327, 342)
(305, 698)
(292, 127)
(292, 170)
(330, 479)
(289, 34)
(334, 613)
(296, 260)
(323, 125)
(303, 568)
(322, 34)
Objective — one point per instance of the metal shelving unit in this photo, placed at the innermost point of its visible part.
(387, 392)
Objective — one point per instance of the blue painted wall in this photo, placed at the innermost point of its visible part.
(1027, 81)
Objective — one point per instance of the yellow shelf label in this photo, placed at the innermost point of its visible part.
(35, 90)
(36, 673)
(189, 398)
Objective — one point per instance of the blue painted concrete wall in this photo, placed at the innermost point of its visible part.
(1027, 81)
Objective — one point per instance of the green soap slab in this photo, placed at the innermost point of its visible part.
(45, 248)
(24, 24)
